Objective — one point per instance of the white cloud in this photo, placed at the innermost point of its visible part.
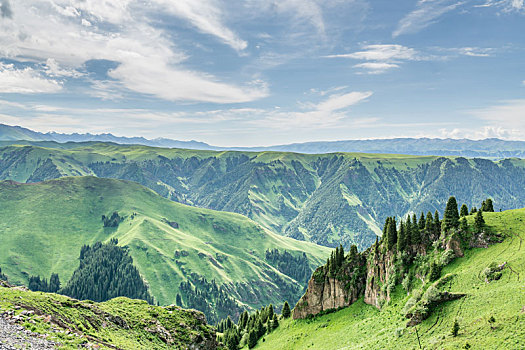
(505, 5)
(53, 69)
(148, 61)
(482, 133)
(426, 13)
(381, 53)
(25, 81)
(205, 15)
(383, 57)
(508, 114)
(376, 67)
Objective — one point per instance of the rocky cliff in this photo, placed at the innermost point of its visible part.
(374, 273)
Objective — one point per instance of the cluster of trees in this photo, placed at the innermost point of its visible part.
(106, 271)
(112, 221)
(41, 285)
(251, 328)
(296, 267)
(411, 233)
(206, 296)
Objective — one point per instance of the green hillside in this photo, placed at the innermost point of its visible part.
(120, 323)
(362, 326)
(327, 199)
(44, 225)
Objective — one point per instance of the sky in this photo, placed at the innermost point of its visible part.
(265, 72)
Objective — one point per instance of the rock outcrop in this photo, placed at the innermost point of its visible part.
(329, 291)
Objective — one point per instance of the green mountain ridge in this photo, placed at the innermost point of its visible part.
(44, 225)
(326, 199)
(485, 294)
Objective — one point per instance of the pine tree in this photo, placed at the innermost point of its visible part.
(391, 233)
(487, 206)
(270, 312)
(286, 310)
(451, 216)
(429, 227)
(232, 339)
(275, 321)
(464, 210)
(421, 223)
(437, 224)
(252, 339)
(479, 222)
(408, 232)
(415, 235)
(376, 248)
(54, 283)
(401, 243)
(473, 210)
(455, 328)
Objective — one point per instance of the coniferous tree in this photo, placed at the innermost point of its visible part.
(391, 233)
(429, 227)
(252, 339)
(232, 339)
(464, 210)
(401, 242)
(421, 223)
(54, 283)
(286, 310)
(415, 235)
(275, 321)
(473, 210)
(487, 206)
(451, 216)
(479, 222)
(408, 232)
(270, 312)
(437, 224)
(376, 248)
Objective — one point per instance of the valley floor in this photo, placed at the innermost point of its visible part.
(362, 326)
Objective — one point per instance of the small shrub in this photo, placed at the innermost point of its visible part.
(455, 328)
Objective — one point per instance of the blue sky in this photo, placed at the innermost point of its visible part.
(257, 72)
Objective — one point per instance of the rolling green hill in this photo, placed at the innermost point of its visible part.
(120, 323)
(44, 225)
(490, 316)
(327, 199)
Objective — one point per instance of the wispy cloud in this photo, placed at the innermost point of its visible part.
(25, 81)
(426, 13)
(206, 16)
(383, 57)
(53, 34)
(505, 5)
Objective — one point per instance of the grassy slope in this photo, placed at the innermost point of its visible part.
(93, 324)
(327, 199)
(362, 326)
(43, 226)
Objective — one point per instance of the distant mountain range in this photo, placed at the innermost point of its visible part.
(488, 148)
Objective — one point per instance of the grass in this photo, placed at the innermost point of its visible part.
(119, 322)
(44, 225)
(362, 326)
